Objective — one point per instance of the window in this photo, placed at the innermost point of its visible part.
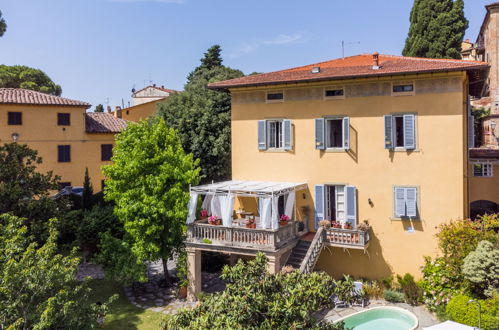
(483, 169)
(63, 119)
(15, 118)
(405, 202)
(334, 93)
(332, 133)
(275, 134)
(275, 97)
(64, 153)
(402, 89)
(400, 131)
(63, 185)
(336, 203)
(106, 152)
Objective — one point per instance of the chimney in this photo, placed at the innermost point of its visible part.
(163, 86)
(376, 61)
(109, 108)
(153, 85)
(118, 112)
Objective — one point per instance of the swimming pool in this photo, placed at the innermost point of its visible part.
(393, 318)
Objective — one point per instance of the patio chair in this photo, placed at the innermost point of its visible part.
(359, 296)
(337, 302)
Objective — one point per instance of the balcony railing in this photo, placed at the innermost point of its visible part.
(347, 238)
(240, 237)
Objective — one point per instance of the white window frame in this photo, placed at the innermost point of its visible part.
(268, 124)
(340, 97)
(326, 133)
(411, 93)
(418, 204)
(275, 92)
(487, 169)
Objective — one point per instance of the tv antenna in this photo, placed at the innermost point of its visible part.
(343, 44)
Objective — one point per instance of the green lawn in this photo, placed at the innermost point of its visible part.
(122, 314)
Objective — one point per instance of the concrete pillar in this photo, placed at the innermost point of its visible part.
(193, 273)
(274, 264)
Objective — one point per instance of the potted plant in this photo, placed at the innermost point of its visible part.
(283, 220)
(335, 224)
(364, 226)
(183, 282)
(347, 225)
(325, 223)
(250, 223)
(203, 214)
(214, 220)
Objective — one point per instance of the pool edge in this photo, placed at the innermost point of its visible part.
(385, 307)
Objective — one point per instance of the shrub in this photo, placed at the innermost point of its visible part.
(344, 289)
(481, 268)
(373, 289)
(459, 311)
(411, 290)
(255, 299)
(394, 296)
(387, 282)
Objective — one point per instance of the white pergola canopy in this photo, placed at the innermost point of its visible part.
(249, 188)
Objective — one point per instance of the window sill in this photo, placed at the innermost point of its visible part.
(404, 219)
(335, 150)
(401, 149)
(276, 150)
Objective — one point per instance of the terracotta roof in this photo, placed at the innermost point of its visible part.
(162, 88)
(484, 153)
(103, 122)
(25, 96)
(352, 67)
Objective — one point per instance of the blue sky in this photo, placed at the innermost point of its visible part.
(98, 50)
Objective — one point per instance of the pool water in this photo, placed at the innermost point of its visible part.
(392, 318)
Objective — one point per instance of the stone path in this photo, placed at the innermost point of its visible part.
(425, 318)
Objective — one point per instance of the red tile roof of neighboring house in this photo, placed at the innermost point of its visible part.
(103, 122)
(353, 67)
(484, 153)
(162, 88)
(25, 96)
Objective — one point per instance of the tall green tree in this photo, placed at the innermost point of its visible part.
(88, 191)
(20, 76)
(202, 116)
(99, 108)
(24, 192)
(38, 287)
(149, 183)
(3, 25)
(437, 29)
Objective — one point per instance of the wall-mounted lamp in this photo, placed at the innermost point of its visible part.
(369, 200)
(14, 136)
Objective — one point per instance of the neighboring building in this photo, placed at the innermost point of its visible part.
(144, 102)
(66, 136)
(375, 138)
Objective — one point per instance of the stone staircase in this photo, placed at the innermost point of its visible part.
(298, 254)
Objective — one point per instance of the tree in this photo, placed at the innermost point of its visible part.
(202, 116)
(266, 301)
(149, 182)
(99, 108)
(38, 287)
(24, 192)
(88, 191)
(20, 76)
(3, 25)
(437, 29)
(481, 268)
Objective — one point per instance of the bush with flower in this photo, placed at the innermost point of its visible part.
(284, 218)
(203, 213)
(213, 220)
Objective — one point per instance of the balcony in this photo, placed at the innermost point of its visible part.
(207, 236)
(347, 238)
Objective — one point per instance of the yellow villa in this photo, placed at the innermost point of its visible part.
(67, 137)
(377, 145)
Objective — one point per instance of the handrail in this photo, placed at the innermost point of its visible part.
(313, 252)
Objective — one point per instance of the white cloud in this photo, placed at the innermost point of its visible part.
(163, 1)
(283, 39)
(251, 46)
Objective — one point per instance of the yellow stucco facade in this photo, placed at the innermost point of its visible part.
(40, 131)
(437, 167)
(140, 111)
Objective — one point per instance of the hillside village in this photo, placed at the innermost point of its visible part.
(361, 192)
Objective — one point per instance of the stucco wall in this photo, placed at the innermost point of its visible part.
(140, 111)
(485, 188)
(40, 131)
(437, 166)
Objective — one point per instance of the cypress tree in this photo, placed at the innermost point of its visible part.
(88, 191)
(437, 29)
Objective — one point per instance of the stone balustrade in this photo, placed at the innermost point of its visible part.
(348, 238)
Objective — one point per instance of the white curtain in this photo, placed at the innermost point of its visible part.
(193, 202)
(265, 206)
(274, 224)
(290, 202)
(216, 208)
(227, 205)
(207, 203)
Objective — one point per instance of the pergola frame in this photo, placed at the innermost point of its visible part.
(249, 188)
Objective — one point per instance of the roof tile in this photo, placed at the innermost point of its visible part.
(25, 96)
(103, 122)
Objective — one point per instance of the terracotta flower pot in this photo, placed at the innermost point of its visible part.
(182, 292)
